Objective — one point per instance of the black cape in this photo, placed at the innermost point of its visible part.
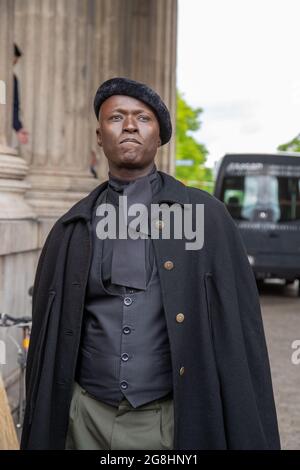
(224, 399)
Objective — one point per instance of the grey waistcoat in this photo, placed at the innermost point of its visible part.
(125, 348)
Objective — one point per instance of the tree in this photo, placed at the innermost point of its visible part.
(190, 154)
(292, 146)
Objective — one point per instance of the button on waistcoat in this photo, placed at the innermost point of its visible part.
(125, 347)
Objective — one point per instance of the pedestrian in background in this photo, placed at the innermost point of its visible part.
(21, 132)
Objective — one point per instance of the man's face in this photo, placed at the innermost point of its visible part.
(128, 132)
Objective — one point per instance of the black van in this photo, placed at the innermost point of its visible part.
(262, 194)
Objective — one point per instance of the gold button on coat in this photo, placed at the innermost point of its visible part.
(179, 317)
(168, 265)
(181, 372)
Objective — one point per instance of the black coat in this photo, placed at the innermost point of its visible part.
(224, 398)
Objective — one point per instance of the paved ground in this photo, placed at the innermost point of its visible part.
(281, 316)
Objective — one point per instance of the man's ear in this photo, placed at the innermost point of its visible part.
(99, 138)
(159, 142)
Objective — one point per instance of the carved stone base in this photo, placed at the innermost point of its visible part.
(51, 195)
(13, 170)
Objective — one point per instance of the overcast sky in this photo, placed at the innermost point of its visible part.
(239, 60)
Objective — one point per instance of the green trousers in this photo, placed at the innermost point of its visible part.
(98, 426)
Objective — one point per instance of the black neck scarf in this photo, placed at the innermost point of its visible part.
(129, 255)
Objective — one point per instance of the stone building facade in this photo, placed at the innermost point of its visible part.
(69, 47)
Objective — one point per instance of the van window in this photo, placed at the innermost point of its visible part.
(268, 197)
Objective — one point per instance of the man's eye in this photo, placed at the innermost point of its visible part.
(116, 117)
(144, 118)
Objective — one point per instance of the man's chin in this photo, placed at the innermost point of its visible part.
(131, 160)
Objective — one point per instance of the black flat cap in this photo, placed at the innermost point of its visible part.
(140, 91)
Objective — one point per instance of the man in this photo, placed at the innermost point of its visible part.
(21, 133)
(141, 343)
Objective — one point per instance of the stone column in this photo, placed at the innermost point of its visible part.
(70, 47)
(152, 29)
(18, 225)
(13, 169)
(137, 39)
(56, 39)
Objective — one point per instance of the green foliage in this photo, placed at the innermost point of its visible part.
(187, 148)
(292, 146)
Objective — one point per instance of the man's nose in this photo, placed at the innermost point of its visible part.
(129, 124)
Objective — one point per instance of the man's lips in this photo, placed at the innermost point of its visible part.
(132, 141)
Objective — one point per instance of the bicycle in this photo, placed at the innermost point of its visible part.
(25, 322)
